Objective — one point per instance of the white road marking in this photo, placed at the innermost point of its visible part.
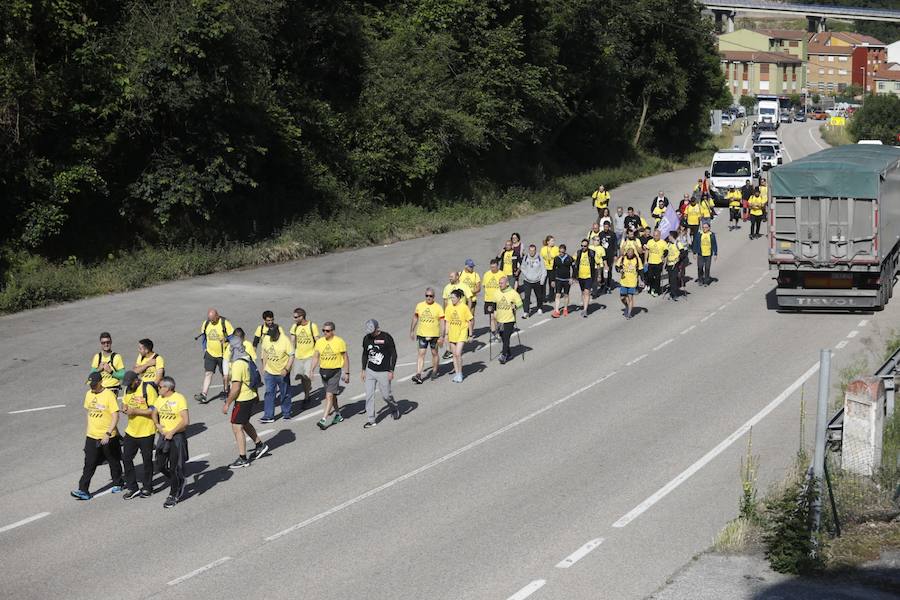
(409, 364)
(215, 385)
(665, 343)
(786, 153)
(436, 462)
(266, 432)
(28, 410)
(841, 344)
(721, 447)
(703, 320)
(359, 396)
(528, 589)
(688, 329)
(30, 519)
(579, 554)
(863, 323)
(821, 147)
(853, 334)
(760, 278)
(636, 360)
(724, 306)
(202, 569)
(738, 296)
(103, 493)
(410, 376)
(749, 287)
(533, 325)
(197, 457)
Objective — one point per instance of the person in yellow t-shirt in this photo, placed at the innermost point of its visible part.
(632, 242)
(757, 205)
(459, 330)
(508, 302)
(735, 199)
(470, 277)
(692, 214)
(629, 266)
(137, 404)
(596, 246)
(248, 348)
(101, 438)
(706, 210)
(332, 360)
(585, 261)
(278, 358)
(172, 419)
(262, 330)
(549, 252)
(455, 284)
(243, 396)
(601, 201)
(149, 365)
(706, 249)
(214, 334)
(304, 334)
(427, 329)
(490, 282)
(655, 249)
(109, 364)
(673, 256)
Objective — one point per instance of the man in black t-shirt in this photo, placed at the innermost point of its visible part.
(379, 357)
(632, 220)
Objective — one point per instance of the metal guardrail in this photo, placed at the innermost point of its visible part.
(886, 372)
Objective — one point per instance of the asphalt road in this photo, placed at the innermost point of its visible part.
(616, 444)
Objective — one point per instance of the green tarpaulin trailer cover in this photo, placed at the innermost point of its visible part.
(851, 171)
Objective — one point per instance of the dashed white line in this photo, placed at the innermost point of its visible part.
(533, 325)
(528, 589)
(28, 410)
(841, 344)
(863, 323)
(703, 320)
(409, 364)
(664, 344)
(202, 569)
(266, 432)
(721, 447)
(749, 287)
(738, 296)
(853, 334)
(103, 493)
(436, 462)
(636, 360)
(688, 329)
(724, 306)
(30, 519)
(760, 278)
(579, 554)
(197, 457)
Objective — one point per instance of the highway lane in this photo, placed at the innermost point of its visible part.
(489, 484)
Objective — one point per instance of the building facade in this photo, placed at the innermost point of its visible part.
(838, 59)
(755, 73)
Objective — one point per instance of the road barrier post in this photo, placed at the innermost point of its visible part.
(821, 427)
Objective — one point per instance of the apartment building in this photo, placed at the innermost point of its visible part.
(763, 62)
(838, 59)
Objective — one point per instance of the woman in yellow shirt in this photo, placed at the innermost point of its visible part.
(734, 208)
(756, 204)
(549, 251)
(629, 266)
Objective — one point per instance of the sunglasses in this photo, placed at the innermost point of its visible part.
(297, 317)
(327, 330)
(105, 342)
(429, 295)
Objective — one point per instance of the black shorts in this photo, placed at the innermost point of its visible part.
(562, 286)
(242, 411)
(490, 307)
(211, 363)
(331, 380)
(586, 284)
(426, 342)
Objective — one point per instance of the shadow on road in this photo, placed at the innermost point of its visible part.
(879, 583)
(195, 428)
(206, 480)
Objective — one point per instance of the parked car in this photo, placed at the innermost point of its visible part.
(800, 117)
(727, 118)
(786, 117)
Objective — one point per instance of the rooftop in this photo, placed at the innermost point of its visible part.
(784, 34)
(760, 57)
(854, 39)
(814, 48)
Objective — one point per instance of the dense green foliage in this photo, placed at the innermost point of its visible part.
(877, 119)
(151, 123)
(788, 536)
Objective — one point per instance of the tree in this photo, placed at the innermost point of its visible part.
(796, 99)
(877, 119)
(749, 102)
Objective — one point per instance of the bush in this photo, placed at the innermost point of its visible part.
(788, 537)
(877, 119)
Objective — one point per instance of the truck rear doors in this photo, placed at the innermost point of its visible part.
(819, 231)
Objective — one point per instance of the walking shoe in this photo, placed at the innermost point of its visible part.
(116, 489)
(240, 463)
(259, 450)
(129, 494)
(80, 495)
(201, 398)
(286, 417)
(584, 315)
(555, 314)
(170, 502)
(395, 412)
(447, 355)
(435, 375)
(540, 311)
(323, 424)
(417, 378)
(502, 359)
(146, 493)
(458, 378)
(267, 420)
(566, 312)
(524, 315)
(369, 424)
(337, 419)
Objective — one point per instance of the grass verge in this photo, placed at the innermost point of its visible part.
(33, 281)
(836, 136)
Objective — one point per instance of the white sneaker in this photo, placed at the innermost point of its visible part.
(540, 311)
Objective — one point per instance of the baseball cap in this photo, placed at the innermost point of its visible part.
(129, 378)
(94, 378)
(371, 326)
(470, 262)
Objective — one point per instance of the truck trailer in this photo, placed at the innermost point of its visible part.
(834, 228)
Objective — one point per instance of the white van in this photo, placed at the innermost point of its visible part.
(731, 169)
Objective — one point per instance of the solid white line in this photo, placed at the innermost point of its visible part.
(27, 410)
(359, 396)
(703, 320)
(724, 306)
(528, 589)
(636, 360)
(409, 364)
(6, 528)
(436, 462)
(665, 343)
(215, 385)
(749, 287)
(688, 329)
(721, 447)
(411, 375)
(202, 569)
(814, 140)
(853, 334)
(841, 344)
(266, 432)
(197, 457)
(786, 153)
(863, 323)
(738, 296)
(761, 277)
(533, 325)
(578, 554)
(103, 493)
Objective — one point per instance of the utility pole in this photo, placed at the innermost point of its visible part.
(821, 427)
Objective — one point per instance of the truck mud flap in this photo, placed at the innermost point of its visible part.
(828, 299)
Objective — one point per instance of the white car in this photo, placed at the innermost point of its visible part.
(767, 153)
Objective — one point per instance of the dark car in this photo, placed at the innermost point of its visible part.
(800, 117)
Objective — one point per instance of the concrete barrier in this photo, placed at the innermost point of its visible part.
(863, 426)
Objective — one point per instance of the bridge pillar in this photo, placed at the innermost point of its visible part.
(727, 16)
(815, 24)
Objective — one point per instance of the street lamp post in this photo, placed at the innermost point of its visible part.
(863, 69)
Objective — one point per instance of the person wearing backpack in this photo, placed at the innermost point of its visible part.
(277, 353)
(138, 401)
(245, 380)
(214, 334)
(109, 364)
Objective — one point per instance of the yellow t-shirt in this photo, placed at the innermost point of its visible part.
(756, 205)
(248, 348)
(630, 268)
(634, 244)
(734, 199)
(458, 317)
(430, 315)
(277, 354)
(764, 193)
(705, 211)
(240, 371)
(259, 332)
(584, 265)
(306, 336)
(601, 199)
(143, 398)
(169, 410)
(491, 284)
(465, 289)
(506, 262)
(692, 211)
(674, 254)
(599, 253)
(706, 244)
(149, 373)
(331, 353)
(101, 408)
(107, 380)
(471, 280)
(507, 303)
(215, 341)
(655, 250)
(548, 253)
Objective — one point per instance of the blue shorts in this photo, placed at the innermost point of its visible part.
(626, 291)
